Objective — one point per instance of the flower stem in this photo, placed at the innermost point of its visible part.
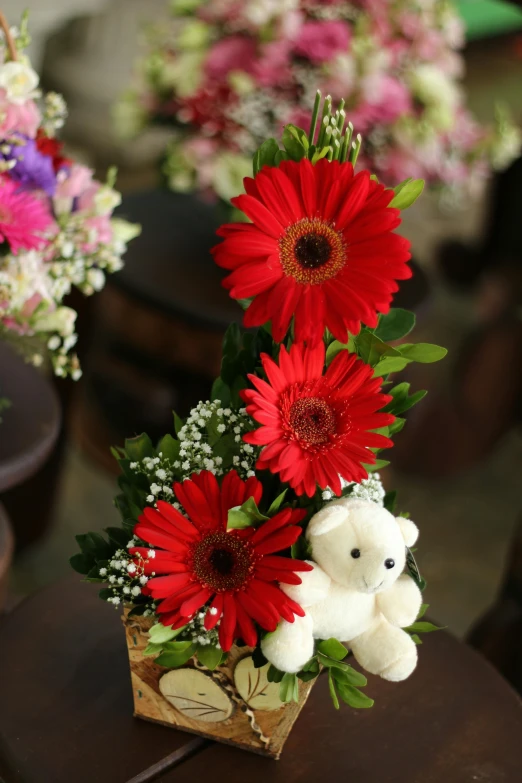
(11, 46)
(315, 115)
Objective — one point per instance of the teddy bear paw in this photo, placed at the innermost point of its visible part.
(402, 667)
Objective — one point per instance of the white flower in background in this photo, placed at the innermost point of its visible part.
(123, 231)
(105, 200)
(261, 12)
(368, 489)
(19, 81)
(184, 74)
(61, 320)
(96, 278)
(431, 86)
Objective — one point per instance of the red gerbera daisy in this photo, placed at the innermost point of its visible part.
(200, 561)
(316, 427)
(320, 247)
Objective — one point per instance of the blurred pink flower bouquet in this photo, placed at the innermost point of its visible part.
(228, 74)
(56, 225)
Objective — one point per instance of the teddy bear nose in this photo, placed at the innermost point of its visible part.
(389, 563)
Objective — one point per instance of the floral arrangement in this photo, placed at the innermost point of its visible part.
(226, 75)
(56, 229)
(216, 517)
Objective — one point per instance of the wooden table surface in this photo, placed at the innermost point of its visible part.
(31, 425)
(66, 714)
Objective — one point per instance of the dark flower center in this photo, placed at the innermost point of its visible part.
(312, 420)
(312, 251)
(223, 561)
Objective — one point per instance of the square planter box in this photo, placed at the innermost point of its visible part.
(234, 703)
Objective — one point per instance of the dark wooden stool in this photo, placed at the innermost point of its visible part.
(66, 714)
(498, 634)
(28, 434)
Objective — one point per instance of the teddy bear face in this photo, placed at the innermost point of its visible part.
(359, 544)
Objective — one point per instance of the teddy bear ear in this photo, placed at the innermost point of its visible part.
(328, 518)
(409, 530)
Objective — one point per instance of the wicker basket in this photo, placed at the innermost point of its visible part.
(234, 703)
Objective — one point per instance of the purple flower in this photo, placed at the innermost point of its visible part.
(32, 169)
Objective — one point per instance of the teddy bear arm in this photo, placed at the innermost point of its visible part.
(401, 603)
(314, 586)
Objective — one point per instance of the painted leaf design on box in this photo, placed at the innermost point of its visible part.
(253, 686)
(196, 695)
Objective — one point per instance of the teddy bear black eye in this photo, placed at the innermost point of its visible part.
(389, 563)
(355, 553)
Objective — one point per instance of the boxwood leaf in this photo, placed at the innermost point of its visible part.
(353, 696)
(209, 655)
(172, 659)
(333, 649)
(139, 447)
(407, 193)
(426, 353)
(395, 324)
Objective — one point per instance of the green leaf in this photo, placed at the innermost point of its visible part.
(333, 694)
(422, 611)
(274, 675)
(117, 536)
(371, 349)
(159, 633)
(173, 660)
(422, 352)
(152, 649)
(412, 566)
(276, 504)
(220, 391)
(94, 545)
(422, 627)
(178, 422)
(289, 688)
(209, 655)
(390, 364)
(353, 696)
(396, 324)
(401, 401)
(295, 142)
(407, 193)
(245, 515)
(349, 676)
(258, 659)
(336, 347)
(396, 426)
(82, 563)
(169, 447)
(265, 156)
(379, 464)
(139, 447)
(331, 663)
(416, 638)
(333, 649)
(390, 500)
(105, 593)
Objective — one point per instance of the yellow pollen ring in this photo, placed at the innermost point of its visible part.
(312, 251)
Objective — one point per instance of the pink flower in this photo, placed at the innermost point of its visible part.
(273, 66)
(235, 53)
(23, 118)
(78, 180)
(23, 218)
(321, 41)
(100, 231)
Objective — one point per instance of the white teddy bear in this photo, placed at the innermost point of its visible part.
(356, 592)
